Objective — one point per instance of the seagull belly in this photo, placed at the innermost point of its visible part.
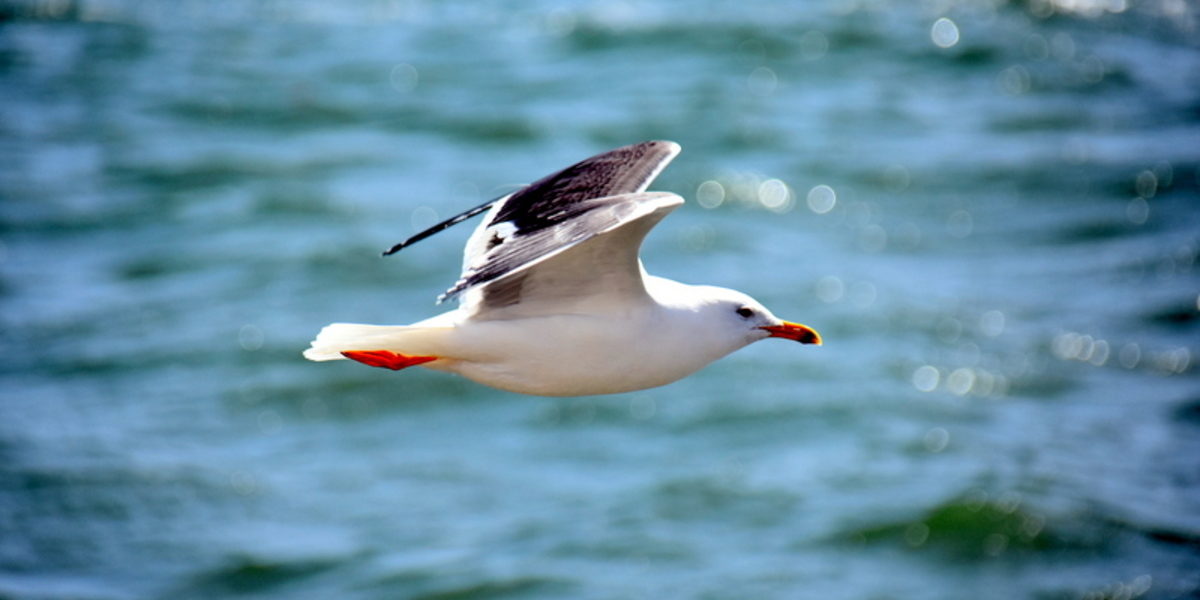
(571, 355)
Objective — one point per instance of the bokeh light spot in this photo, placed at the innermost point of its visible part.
(250, 338)
(944, 33)
(916, 534)
(775, 195)
(862, 294)
(960, 224)
(926, 378)
(243, 483)
(960, 381)
(991, 323)
(872, 238)
(1130, 355)
(1146, 184)
(813, 45)
(404, 78)
(830, 289)
(1014, 80)
(936, 439)
(995, 544)
(1100, 353)
(1137, 211)
(710, 194)
(762, 81)
(1062, 46)
(821, 199)
(698, 238)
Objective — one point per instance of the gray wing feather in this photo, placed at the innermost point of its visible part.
(592, 258)
(559, 211)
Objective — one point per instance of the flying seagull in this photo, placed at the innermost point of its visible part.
(553, 299)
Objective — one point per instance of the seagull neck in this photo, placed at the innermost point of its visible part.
(670, 293)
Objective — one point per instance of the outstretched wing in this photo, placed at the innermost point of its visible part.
(586, 263)
(595, 197)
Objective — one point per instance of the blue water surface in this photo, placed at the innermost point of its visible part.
(989, 209)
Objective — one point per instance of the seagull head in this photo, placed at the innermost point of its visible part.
(739, 316)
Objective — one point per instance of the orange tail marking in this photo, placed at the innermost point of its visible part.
(386, 359)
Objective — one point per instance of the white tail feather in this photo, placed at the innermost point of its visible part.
(341, 337)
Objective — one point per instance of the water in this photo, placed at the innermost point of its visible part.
(1002, 261)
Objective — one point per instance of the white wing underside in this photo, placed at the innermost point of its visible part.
(587, 263)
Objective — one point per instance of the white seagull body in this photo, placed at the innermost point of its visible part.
(554, 300)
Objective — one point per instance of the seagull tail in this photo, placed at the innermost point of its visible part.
(337, 338)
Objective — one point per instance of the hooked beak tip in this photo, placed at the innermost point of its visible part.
(794, 331)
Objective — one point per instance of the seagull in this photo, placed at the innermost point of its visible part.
(553, 298)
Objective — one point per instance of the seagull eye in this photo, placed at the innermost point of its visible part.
(745, 312)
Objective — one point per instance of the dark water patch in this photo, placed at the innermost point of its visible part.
(32, 215)
(969, 59)
(480, 127)
(1188, 412)
(969, 530)
(25, 10)
(711, 499)
(1094, 231)
(1041, 122)
(297, 202)
(111, 344)
(587, 412)
(788, 419)
(204, 173)
(246, 575)
(976, 56)
(1174, 536)
(1188, 540)
(736, 39)
(345, 391)
(622, 546)
(346, 265)
(1042, 385)
(1043, 178)
(201, 174)
(728, 135)
(858, 32)
(1182, 316)
(80, 517)
(516, 587)
(483, 124)
(1086, 77)
(64, 361)
(155, 266)
(432, 584)
(296, 116)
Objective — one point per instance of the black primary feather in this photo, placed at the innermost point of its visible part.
(557, 198)
(448, 223)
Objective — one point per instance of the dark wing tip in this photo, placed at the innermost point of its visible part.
(668, 144)
(452, 221)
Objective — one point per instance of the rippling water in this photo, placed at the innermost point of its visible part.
(989, 210)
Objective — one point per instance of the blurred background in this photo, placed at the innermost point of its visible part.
(988, 208)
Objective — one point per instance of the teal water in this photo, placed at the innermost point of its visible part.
(993, 220)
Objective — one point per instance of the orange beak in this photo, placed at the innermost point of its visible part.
(795, 331)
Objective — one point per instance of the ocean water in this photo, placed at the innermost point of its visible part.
(990, 210)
